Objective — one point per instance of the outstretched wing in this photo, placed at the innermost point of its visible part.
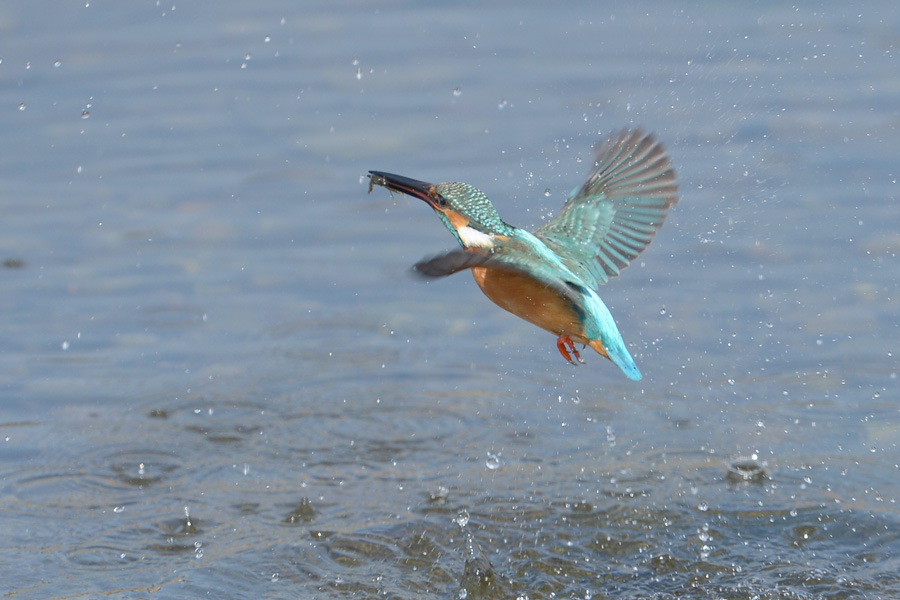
(510, 257)
(612, 218)
(452, 261)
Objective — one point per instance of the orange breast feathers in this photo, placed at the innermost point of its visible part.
(531, 300)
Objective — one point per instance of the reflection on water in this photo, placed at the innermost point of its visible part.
(217, 378)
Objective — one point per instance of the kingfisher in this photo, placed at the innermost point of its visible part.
(551, 276)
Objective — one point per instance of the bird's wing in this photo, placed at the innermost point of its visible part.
(611, 219)
(452, 261)
(511, 257)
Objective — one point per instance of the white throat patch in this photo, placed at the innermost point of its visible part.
(474, 238)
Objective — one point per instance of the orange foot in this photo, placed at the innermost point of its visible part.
(561, 343)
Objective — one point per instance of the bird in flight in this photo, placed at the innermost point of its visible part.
(550, 277)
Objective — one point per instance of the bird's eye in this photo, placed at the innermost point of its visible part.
(440, 200)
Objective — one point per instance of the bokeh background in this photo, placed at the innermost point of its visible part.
(217, 378)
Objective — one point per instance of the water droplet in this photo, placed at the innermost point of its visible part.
(65, 344)
(503, 104)
(355, 62)
(440, 494)
(85, 114)
(662, 311)
(78, 169)
(747, 470)
(703, 507)
(493, 461)
(22, 106)
(276, 576)
(462, 519)
(358, 74)
(547, 192)
(57, 63)
(457, 92)
(267, 39)
(118, 509)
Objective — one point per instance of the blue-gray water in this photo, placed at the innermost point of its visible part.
(217, 378)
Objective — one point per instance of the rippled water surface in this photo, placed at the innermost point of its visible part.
(217, 378)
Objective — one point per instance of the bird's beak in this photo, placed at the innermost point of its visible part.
(404, 185)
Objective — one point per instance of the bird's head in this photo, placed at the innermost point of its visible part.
(464, 209)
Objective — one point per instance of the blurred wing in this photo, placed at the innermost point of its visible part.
(451, 262)
(510, 258)
(612, 218)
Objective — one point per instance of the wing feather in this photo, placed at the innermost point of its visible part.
(512, 257)
(612, 218)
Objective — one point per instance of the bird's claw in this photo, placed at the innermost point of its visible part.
(565, 344)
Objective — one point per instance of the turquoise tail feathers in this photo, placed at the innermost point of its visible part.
(621, 358)
(600, 325)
